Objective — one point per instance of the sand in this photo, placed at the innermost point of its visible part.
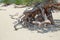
(7, 31)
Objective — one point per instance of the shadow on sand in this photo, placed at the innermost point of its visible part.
(49, 28)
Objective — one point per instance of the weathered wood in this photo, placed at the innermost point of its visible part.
(40, 10)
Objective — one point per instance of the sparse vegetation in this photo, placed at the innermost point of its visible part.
(25, 2)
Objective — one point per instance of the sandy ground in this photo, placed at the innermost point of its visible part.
(7, 31)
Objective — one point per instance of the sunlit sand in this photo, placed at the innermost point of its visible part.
(7, 31)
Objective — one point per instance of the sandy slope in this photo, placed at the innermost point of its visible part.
(7, 31)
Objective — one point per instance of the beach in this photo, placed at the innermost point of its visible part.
(7, 31)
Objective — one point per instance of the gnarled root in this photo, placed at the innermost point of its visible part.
(41, 23)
